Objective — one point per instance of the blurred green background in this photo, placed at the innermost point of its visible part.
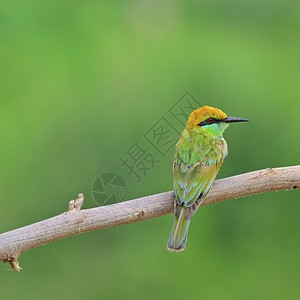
(82, 81)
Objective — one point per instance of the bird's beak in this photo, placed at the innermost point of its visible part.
(234, 119)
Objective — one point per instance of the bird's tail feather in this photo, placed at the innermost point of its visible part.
(178, 236)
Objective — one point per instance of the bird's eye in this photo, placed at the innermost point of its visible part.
(208, 121)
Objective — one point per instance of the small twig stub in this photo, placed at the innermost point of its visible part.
(77, 203)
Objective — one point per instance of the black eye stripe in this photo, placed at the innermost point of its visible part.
(209, 121)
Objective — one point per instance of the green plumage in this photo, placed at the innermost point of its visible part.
(198, 157)
(200, 152)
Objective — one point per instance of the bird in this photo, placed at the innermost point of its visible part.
(200, 152)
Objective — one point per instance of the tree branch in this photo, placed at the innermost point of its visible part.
(76, 221)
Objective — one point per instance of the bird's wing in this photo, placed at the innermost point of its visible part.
(194, 181)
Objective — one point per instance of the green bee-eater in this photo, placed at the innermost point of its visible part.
(200, 152)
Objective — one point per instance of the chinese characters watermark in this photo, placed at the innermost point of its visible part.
(138, 159)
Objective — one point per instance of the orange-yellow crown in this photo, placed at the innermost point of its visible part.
(201, 114)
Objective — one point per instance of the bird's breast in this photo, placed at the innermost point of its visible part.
(217, 152)
(200, 149)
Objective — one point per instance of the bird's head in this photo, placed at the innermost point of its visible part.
(211, 120)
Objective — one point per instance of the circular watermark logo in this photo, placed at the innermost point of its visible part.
(109, 188)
